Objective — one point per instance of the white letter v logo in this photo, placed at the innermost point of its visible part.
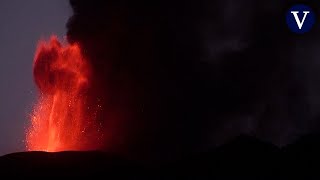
(299, 23)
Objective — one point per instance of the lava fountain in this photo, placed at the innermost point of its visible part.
(63, 118)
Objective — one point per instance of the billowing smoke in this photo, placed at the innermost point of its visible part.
(176, 77)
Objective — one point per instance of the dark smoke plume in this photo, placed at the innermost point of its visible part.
(175, 77)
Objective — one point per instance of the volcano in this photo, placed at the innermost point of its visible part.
(153, 88)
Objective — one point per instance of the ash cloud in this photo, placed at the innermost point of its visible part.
(176, 77)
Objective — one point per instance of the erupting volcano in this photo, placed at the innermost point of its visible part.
(63, 118)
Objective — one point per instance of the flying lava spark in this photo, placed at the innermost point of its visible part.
(63, 117)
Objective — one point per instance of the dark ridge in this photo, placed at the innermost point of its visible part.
(243, 157)
(70, 163)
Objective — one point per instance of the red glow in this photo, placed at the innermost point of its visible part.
(62, 118)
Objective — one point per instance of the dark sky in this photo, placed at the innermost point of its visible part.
(22, 24)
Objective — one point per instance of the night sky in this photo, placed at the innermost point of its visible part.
(22, 24)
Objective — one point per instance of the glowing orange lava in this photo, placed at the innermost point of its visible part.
(62, 119)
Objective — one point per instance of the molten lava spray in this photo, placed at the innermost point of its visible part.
(63, 118)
